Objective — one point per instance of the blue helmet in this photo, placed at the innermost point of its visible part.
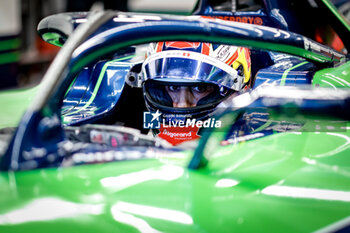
(189, 79)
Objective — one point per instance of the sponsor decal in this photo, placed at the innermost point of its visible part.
(242, 19)
(177, 135)
(182, 44)
(223, 52)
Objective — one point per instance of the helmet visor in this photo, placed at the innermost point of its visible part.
(184, 66)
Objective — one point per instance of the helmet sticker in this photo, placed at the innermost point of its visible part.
(226, 53)
(177, 135)
(181, 44)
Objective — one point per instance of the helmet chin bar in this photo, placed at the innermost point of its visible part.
(199, 112)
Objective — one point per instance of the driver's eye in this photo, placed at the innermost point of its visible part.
(199, 89)
(173, 88)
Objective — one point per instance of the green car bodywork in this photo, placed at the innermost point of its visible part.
(338, 77)
(13, 104)
(296, 181)
(280, 183)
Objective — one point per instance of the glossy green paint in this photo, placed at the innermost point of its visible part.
(53, 38)
(338, 77)
(278, 183)
(13, 105)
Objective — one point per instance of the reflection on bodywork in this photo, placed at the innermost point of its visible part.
(140, 224)
(336, 150)
(42, 210)
(152, 212)
(301, 192)
(226, 183)
(166, 173)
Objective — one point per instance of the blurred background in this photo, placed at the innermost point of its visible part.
(24, 56)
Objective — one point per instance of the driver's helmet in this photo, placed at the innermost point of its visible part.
(208, 71)
(187, 80)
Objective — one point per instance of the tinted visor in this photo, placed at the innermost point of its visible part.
(184, 66)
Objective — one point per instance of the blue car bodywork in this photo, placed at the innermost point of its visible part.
(95, 92)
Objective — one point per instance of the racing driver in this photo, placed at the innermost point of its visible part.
(183, 82)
